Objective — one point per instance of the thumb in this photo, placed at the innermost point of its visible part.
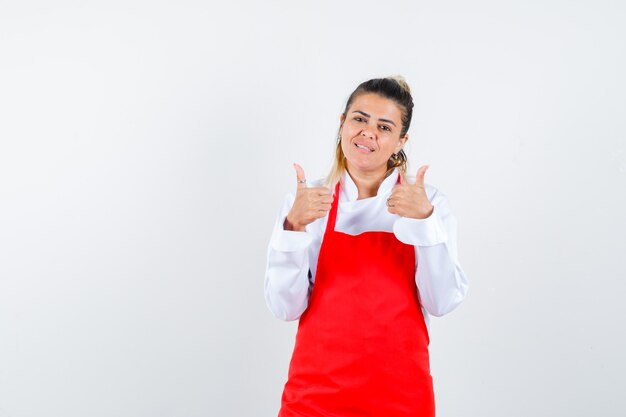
(300, 176)
(421, 173)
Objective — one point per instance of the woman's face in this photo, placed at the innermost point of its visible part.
(370, 133)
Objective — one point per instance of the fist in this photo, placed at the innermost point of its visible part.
(310, 203)
(410, 200)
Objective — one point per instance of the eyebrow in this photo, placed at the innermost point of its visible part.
(367, 115)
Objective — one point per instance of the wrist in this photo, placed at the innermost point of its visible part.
(427, 214)
(294, 227)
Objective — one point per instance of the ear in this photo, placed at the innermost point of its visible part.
(402, 142)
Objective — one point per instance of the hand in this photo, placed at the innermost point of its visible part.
(410, 200)
(310, 204)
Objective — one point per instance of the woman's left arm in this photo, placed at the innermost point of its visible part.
(441, 282)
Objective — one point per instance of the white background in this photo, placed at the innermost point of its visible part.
(147, 146)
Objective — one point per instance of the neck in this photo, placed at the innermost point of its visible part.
(367, 182)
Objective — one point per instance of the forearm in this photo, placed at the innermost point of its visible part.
(440, 280)
(287, 283)
(286, 275)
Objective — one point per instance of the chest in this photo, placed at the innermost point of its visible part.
(360, 216)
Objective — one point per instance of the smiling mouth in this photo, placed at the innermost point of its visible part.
(363, 147)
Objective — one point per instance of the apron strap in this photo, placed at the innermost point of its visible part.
(332, 215)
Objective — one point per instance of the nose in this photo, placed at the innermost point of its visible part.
(367, 133)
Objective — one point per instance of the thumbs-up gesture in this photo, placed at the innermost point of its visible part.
(410, 200)
(310, 203)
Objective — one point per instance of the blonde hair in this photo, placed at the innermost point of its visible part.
(394, 88)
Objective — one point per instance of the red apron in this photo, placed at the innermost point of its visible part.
(362, 344)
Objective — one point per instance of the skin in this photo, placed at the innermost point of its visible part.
(373, 122)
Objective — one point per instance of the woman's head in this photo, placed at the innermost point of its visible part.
(377, 116)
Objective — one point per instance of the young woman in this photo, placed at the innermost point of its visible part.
(362, 258)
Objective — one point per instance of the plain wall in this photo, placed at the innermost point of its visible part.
(145, 148)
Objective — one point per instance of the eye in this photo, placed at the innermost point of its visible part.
(358, 119)
(386, 128)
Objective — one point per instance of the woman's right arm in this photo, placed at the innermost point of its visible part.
(287, 285)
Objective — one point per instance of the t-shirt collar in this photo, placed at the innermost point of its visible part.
(352, 192)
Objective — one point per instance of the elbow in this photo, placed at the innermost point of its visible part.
(285, 314)
(285, 307)
(439, 309)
